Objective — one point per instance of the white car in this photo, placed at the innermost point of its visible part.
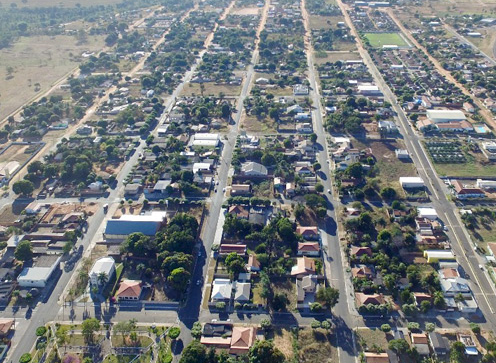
(329, 191)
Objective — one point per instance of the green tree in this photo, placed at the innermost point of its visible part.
(265, 324)
(195, 352)
(196, 330)
(174, 332)
(24, 251)
(399, 345)
(88, 328)
(388, 193)
(264, 351)
(23, 187)
(475, 328)
(328, 296)
(430, 327)
(386, 328)
(179, 279)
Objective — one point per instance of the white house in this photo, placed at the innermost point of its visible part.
(411, 182)
(221, 289)
(429, 213)
(441, 116)
(104, 265)
(486, 184)
(242, 291)
(254, 169)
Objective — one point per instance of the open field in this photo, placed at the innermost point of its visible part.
(368, 338)
(210, 89)
(335, 56)
(35, 64)
(377, 40)
(454, 7)
(245, 11)
(468, 169)
(316, 346)
(283, 339)
(19, 153)
(486, 43)
(256, 125)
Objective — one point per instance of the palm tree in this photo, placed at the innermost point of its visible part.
(102, 278)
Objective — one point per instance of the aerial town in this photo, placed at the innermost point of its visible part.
(248, 181)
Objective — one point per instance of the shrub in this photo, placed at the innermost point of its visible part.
(475, 328)
(413, 326)
(238, 305)
(386, 328)
(174, 332)
(265, 323)
(25, 358)
(430, 327)
(40, 331)
(315, 324)
(315, 307)
(220, 305)
(326, 325)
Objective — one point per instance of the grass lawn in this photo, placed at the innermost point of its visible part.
(143, 341)
(377, 40)
(38, 59)
(368, 338)
(468, 169)
(316, 345)
(145, 358)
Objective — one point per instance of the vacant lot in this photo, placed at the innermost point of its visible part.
(335, 56)
(210, 89)
(377, 40)
(369, 339)
(245, 11)
(468, 169)
(316, 346)
(283, 339)
(254, 124)
(33, 64)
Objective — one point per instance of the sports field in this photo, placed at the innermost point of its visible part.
(377, 40)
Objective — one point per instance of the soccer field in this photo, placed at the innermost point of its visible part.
(377, 40)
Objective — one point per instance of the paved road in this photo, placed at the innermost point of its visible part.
(190, 313)
(334, 260)
(461, 244)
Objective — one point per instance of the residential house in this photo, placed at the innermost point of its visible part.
(365, 299)
(129, 290)
(227, 248)
(438, 344)
(308, 233)
(240, 189)
(254, 169)
(6, 326)
(242, 340)
(221, 290)
(239, 211)
(311, 249)
(455, 286)
(462, 192)
(371, 357)
(304, 266)
(242, 292)
(360, 251)
(253, 264)
(306, 287)
(362, 273)
(421, 342)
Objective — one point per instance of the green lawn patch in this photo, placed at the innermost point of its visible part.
(377, 40)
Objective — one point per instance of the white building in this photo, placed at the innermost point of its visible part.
(407, 182)
(442, 116)
(369, 90)
(221, 289)
(104, 265)
(148, 224)
(254, 169)
(40, 273)
(429, 213)
(486, 184)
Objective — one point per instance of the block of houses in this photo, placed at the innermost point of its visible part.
(253, 264)
(308, 233)
(129, 290)
(461, 191)
(227, 248)
(365, 299)
(221, 290)
(311, 249)
(102, 266)
(304, 266)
